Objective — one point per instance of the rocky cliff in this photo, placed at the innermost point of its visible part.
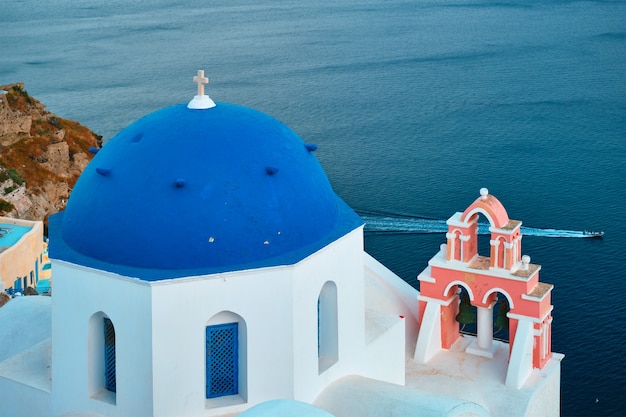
(41, 155)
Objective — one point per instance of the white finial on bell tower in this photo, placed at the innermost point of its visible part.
(201, 101)
(484, 193)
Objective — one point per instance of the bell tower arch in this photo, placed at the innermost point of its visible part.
(458, 264)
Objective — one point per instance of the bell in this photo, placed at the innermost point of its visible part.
(502, 321)
(466, 315)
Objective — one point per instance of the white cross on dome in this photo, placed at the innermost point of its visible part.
(200, 79)
(201, 101)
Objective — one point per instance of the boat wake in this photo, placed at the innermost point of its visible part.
(403, 224)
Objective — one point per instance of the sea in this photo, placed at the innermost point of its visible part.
(415, 105)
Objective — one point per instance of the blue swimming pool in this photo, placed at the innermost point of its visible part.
(11, 233)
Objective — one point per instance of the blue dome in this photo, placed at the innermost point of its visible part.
(183, 192)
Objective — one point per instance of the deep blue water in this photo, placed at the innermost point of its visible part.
(415, 105)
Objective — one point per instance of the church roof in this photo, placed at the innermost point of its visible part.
(189, 191)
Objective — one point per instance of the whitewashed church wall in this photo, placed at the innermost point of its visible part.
(385, 356)
(160, 333)
(342, 263)
(183, 308)
(79, 293)
(387, 292)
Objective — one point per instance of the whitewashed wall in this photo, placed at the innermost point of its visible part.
(183, 308)
(341, 263)
(160, 335)
(78, 294)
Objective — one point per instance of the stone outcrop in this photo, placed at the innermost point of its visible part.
(14, 124)
(41, 155)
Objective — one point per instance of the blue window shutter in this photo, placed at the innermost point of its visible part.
(109, 355)
(222, 360)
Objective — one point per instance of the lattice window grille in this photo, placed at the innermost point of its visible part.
(222, 361)
(109, 355)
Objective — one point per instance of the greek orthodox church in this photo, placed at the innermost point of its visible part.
(204, 266)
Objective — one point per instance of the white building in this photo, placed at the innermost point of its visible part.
(204, 266)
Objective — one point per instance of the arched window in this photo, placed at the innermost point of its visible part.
(483, 240)
(102, 358)
(225, 357)
(499, 252)
(327, 327)
(458, 246)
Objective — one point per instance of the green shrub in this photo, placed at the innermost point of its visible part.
(12, 174)
(23, 92)
(5, 206)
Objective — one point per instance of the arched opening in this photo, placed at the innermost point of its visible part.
(327, 327)
(466, 316)
(498, 252)
(500, 317)
(491, 322)
(226, 356)
(102, 358)
(486, 323)
(458, 246)
(484, 235)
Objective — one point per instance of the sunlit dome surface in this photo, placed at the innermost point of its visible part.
(184, 191)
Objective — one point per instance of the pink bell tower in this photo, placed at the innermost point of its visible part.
(505, 271)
